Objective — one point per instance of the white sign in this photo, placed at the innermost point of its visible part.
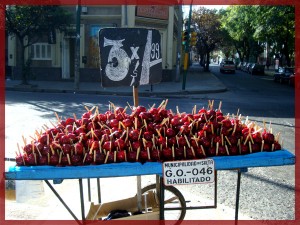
(198, 171)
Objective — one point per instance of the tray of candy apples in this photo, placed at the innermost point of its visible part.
(138, 134)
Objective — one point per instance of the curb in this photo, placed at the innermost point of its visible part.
(142, 94)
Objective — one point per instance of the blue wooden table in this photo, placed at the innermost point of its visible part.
(261, 159)
(240, 163)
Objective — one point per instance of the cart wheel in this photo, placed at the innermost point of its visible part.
(173, 199)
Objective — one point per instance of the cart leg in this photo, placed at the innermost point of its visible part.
(99, 190)
(81, 200)
(161, 200)
(139, 193)
(237, 200)
(62, 201)
(216, 189)
(89, 189)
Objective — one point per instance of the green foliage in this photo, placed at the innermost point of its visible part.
(32, 23)
(251, 27)
(210, 34)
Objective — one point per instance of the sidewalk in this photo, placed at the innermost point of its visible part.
(197, 82)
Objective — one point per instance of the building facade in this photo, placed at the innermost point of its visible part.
(56, 60)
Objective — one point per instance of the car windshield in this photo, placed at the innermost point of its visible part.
(228, 62)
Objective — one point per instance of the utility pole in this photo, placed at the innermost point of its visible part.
(77, 47)
(186, 54)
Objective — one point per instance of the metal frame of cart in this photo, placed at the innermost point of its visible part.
(240, 163)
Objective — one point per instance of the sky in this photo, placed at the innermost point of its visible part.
(186, 8)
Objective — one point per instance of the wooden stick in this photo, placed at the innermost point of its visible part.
(220, 104)
(148, 153)
(106, 158)
(228, 140)
(193, 151)
(161, 104)
(227, 149)
(239, 145)
(84, 158)
(115, 156)
(129, 106)
(173, 152)
(57, 117)
(202, 150)
(137, 154)
(69, 160)
(262, 145)
(187, 141)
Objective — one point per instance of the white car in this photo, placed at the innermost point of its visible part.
(227, 66)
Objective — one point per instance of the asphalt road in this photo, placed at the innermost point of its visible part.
(266, 193)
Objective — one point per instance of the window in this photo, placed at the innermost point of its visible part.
(41, 51)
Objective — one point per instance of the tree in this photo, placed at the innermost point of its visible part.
(239, 22)
(209, 31)
(30, 23)
(275, 25)
(252, 27)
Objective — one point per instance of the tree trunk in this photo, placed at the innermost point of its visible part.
(22, 61)
(206, 68)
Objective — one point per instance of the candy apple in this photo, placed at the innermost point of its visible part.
(134, 134)
(121, 156)
(136, 145)
(255, 147)
(42, 160)
(113, 123)
(20, 160)
(76, 160)
(148, 135)
(155, 155)
(46, 150)
(185, 129)
(226, 123)
(65, 139)
(127, 122)
(67, 148)
(78, 148)
(182, 141)
(54, 159)
(244, 149)
(199, 153)
(222, 150)
(268, 137)
(205, 142)
(131, 156)
(233, 150)
(211, 151)
(167, 154)
(277, 146)
(108, 145)
(190, 153)
(44, 138)
(120, 143)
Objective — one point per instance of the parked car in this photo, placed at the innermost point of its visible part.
(247, 67)
(256, 68)
(283, 74)
(243, 66)
(227, 66)
(239, 66)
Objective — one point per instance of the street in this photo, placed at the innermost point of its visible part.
(266, 193)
